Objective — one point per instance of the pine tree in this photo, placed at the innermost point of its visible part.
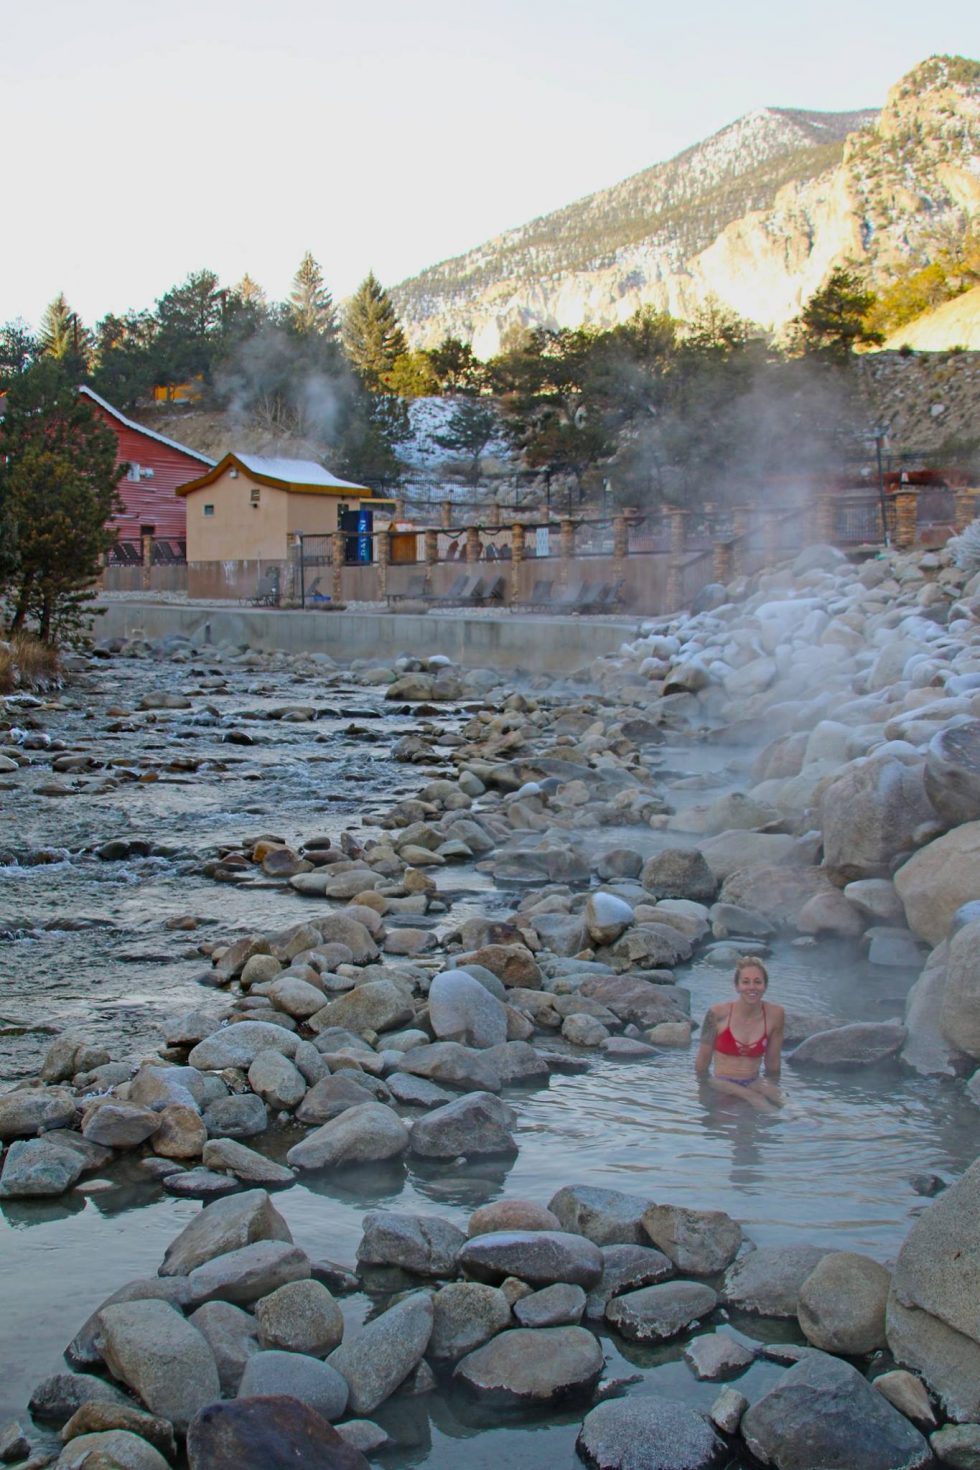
(835, 319)
(373, 338)
(63, 335)
(311, 308)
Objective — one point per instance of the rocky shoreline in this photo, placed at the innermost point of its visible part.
(363, 1036)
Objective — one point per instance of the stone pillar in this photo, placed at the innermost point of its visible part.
(473, 544)
(906, 510)
(722, 561)
(737, 560)
(771, 529)
(827, 519)
(337, 578)
(146, 552)
(676, 538)
(431, 555)
(291, 581)
(566, 551)
(965, 508)
(382, 551)
(494, 514)
(399, 512)
(517, 544)
(621, 547)
(446, 514)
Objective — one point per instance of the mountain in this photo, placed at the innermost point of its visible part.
(754, 217)
(954, 324)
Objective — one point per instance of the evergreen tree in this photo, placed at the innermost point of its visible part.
(456, 367)
(372, 427)
(126, 366)
(64, 337)
(373, 339)
(411, 376)
(469, 429)
(834, 320)
(58, 478)
(190, 318)
(18, 349)
(311, 309)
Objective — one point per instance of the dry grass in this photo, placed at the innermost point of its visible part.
(26, 663)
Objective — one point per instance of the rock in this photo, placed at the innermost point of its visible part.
(767, 1281)
(238, 1045)
(830, 913)
(474, 1125)
(822, 1412)
(299, 1375)
(952, 773)
(957, 1445)
(717, 1355)
(377, 1005)
(230, 1333)
(727, 1410)
(938, 879)
(514, 964)
(98, 1417)
(649, 1433)
(466, 1315)
(276, 1081)
(244, 1275)
(227, 1225)
(463, 1010)
(605, 1216)
(181, 1134)
(679, 872)
(626, 1268)
(872, 811)
(166, 1362)
(363, 1435)
(959, 1017)
(387, 1349)
(202, 1184)
(416, 1092)
(511, 1214)
(35, 1168)
(240, 1116)
(606, 917)
(634, 1001)
(114, 1449)
(908, 1395)
(457, 1066)
(729, 852)
(363, 1134)
(859, 1044)
(658, 1313)
(28, 1111)
(69, 1053)
(552, 1306)
(698, 1242)
(245, 1164)
(532, 1367)
(423, 1244)
(516, 1061)
(335, 1094)
(842, 1304)
(262, 1433)
(300, 1317)
(539, 1257)
(933, 1324)
(55, 1399)
(583, 1030)
(777, 894)
(118, 1124)
(877, 899)
(295, 997)
(83, 1350)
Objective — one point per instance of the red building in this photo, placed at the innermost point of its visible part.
(156, 467)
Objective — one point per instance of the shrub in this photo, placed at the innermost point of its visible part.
(26, 663)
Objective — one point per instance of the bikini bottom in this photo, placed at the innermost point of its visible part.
(740, 1081)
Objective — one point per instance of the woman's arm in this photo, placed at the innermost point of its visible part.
(774, 1050)
(709, 1030)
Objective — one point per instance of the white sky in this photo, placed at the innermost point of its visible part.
(143, 139)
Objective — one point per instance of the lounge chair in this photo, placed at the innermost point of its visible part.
(415, 590)
(266, 593)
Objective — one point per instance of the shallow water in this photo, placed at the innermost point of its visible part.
(833, 1169)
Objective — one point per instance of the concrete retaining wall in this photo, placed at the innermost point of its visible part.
(508, 641)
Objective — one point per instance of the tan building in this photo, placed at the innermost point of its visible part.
(247, 506)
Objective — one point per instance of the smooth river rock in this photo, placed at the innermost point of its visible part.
(157, 1353)
(658, 1313)
(939, 879)
(532, 1366)
(363, 1134)
(381, 1356)
(767, 1281)
(842, 1304)
(298, 1374)
(261, 1433)
(539, 1257)
(463, 1010)
(224, 1226)
(475, 1125)
(649, 1433)
(699, 1242)
(423, 1244)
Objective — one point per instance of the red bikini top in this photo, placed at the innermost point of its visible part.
(730, 1046)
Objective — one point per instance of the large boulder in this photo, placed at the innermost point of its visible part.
(424, 1244)
(605, 1216)
(149, 1346)
(938, 879)
(533, 1366)
(380, 1357)
(31, 1110)
(260, 1433)
(952, 777)
(119, 1448)
(679, 872)
(363, 1134)
(474, 1125)
(245, 1275)
(636, 1001)
(933, 1321)
(35, 1168)
(767, 1281)
(658, 1313)
(467, 1314)
(377, 1005)
(240, 1044)
(698, 1242)
(859, 1044)
(300, 1317)
(842, 1304)
(649, 1433)
(300, 1375)
(539, 1257)
(462, 1009)
(778, 894)
(871, 812)
(450, 1063)
(226, 1225)
(959, 1016)
(926, 1048)
(823, 1412)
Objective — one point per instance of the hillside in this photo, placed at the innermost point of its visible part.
(954, 324)
(754, 217)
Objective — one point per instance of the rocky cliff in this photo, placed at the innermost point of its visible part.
(753, 217)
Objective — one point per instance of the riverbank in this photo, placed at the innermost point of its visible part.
(502, 963)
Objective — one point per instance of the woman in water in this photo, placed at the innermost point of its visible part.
(743, 1036)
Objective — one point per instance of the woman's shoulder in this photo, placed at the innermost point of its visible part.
(719, 1009)
(776, 1012)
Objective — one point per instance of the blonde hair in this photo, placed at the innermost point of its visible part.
(750, 962)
